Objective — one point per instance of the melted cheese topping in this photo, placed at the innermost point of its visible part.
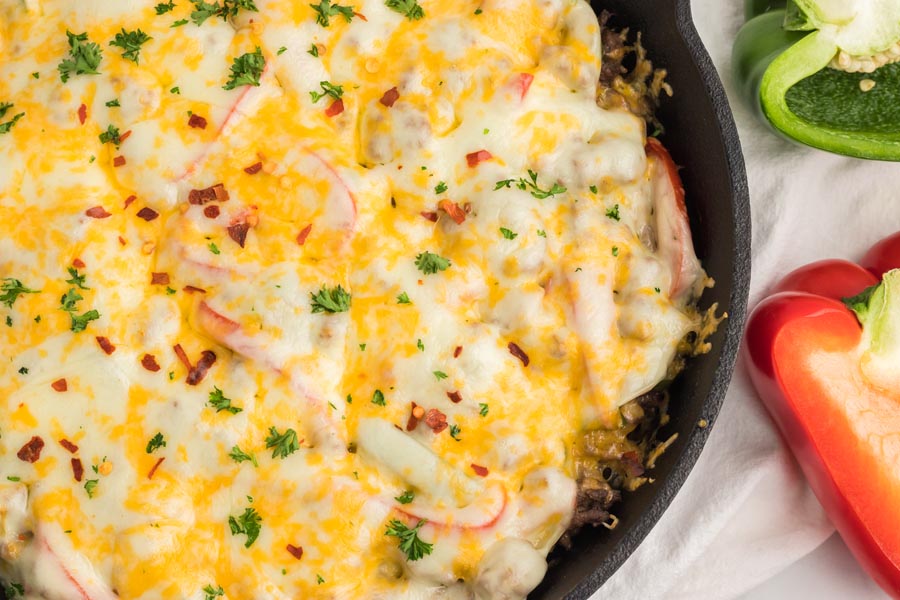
(133, 473)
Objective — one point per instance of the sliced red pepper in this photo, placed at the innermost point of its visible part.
(335, 108)
(821, 376)
(389, 97)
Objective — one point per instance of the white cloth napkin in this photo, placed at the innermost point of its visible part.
(745, 513)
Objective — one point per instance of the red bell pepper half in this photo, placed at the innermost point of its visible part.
(824, 355)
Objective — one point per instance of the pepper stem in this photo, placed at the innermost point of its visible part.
(880, 318)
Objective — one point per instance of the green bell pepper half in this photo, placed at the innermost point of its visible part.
(780, 64)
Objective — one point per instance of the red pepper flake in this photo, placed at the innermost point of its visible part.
(78, 263)
(149, 363)
(518, 353)
(196, 375)
(455, 397)
(105, 344)
(211, 211)
(389, 97)
(124, 136)
(197, 122)
(72, 448)
(159, 279)
(457, 352)
(295, 551)
(304, 233)
(129, 200)
(97, 212)
(238, 232)
(473, 158)
(190, 289)
(77, 469)
(253, 169)
(82, 113)
(361, 16)
(523, 83)
(436, 420)
(155, 467)
(122, 240)
(147, 214)
(336, 108)
(216, 192)
(118, 161)
(60, 385)
(453, 210)
(430, 216)
(31, 451)
(416, 412)
(479, 470)
(183, 357)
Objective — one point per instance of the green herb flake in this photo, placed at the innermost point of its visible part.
(113, 103)
(615, 250)
(246, 69)
(90, 486)
(439, 375)
(478, 11)
(7, 126)
(613, 213)
(218, 401)
(14, 479)
(455, 431)
(12, 289)
(175, 90)
(319, 579)
(84, 57)
(430, 263)
(156, 442)
(9, 321)
(80, 322)
(334, 300)
(111, 136)
(362, 347)
(440, 188)
(164, 7)
(508, 234)
(282, 444)
(325, 10)
(541, 233)
(409, 8)
(406, 497)
(313, 50)
(23, 371)
(483, 409)
(211, 593)
(239, 456)
(214, 249)
(178, 23)
(249, 523)
(532, 184)
(403, 298)
(328, 89)
(378, 398)
(36, 75)
(130, 42)
(420, 345)
(593, 189)
(410, 544)
(227, 9)
(13, 590)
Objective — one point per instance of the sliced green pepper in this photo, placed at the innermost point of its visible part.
(810, 67)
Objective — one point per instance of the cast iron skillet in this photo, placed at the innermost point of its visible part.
(701, 136)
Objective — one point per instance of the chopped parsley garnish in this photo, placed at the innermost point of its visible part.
(111, 135)
(362, 347)
(113, 103)
(378, 398)
(406, 497)
(178, 23)
(439, 375)
(212, 592)
(430, 263)
(239, 456)
(4, 108)
(531, 183)
(248, 524)
(403, 299)
(508, 233)
(246, 70)
(420, 345)
(76, 279)
(68, 303)
(332, 300)
(84, 57)
(478, 11)
(409, 8)
(70, 299)
(313, 50)
(410, 544)
(593, 189)
(454, 432)
(155, 443)
(164, 7)
(80, 322)
(440, 188)
(613, 213)
(90, 486)
(615, 250)
(319, 579)
(542, 233)
(219, 402)
(328, 89)
(8, 321)
(23, 371)
(325, 10)
(214, 249)
(483, 409)
(228, 8)
(12, 289)
(130, 42)
(175, 90)
(282, 444)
